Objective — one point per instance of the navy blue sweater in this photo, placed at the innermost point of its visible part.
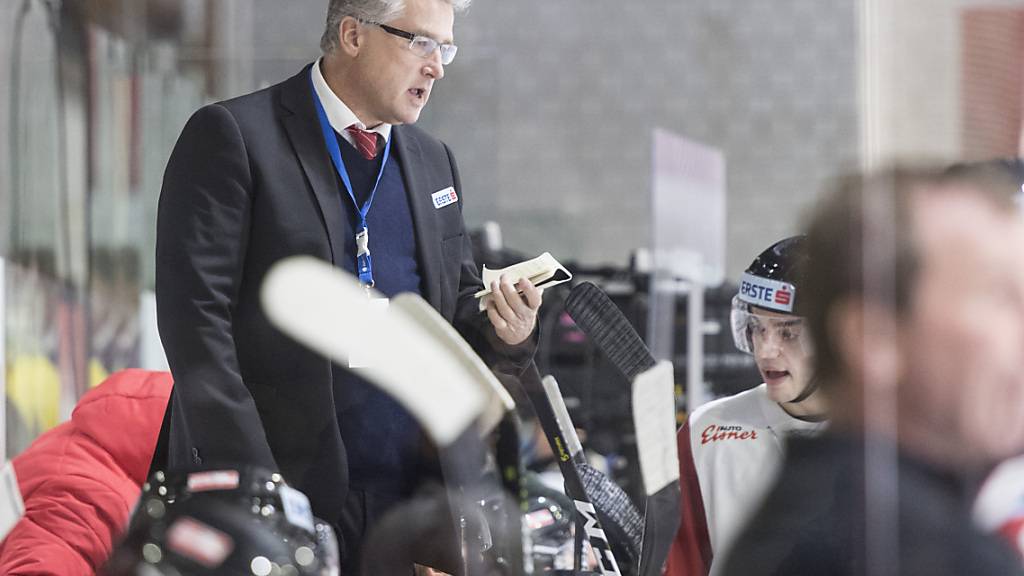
(381, 438)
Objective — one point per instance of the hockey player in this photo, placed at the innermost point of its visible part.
(731, 448)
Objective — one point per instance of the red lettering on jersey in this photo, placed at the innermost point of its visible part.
(714, 433)
(706, 435)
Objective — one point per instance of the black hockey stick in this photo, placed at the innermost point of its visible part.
(622, 522)
(613, 335)
(605, 325)
(610, 521)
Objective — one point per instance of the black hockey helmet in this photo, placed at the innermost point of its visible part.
(206, 536)
(771, 284)
(225, 521)
(772, 279)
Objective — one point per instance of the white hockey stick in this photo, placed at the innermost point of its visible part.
(499, 401)
(416, 356)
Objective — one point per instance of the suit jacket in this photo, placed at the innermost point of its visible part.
(250, 182)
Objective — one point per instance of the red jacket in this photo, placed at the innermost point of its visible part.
(81, 479)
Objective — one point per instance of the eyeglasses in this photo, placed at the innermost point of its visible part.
(422, 45)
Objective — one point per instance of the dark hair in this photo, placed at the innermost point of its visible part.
(860, 242)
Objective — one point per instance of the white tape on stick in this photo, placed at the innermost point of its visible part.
(654, 416)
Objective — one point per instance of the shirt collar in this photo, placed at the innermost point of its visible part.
(782, 421)
(338, 114)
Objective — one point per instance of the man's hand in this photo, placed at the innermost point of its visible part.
(513, 315)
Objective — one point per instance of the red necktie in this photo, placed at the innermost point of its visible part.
(366, 141)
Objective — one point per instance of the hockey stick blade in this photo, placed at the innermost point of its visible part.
(326, 309)
(603, 322)
(499, 401)
(654, 422)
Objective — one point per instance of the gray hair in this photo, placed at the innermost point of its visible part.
(379, 11)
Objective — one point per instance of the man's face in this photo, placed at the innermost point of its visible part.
(395, 82)
(780, 353)
(965, 330)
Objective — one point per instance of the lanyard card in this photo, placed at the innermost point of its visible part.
(370, 350)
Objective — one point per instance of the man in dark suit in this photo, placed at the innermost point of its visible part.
(314, 166)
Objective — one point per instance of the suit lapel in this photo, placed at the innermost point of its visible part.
(300, 121)
(428, 244)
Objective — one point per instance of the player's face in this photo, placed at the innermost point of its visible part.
(780, 353)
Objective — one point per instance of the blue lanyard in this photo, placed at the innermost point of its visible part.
(364, 264)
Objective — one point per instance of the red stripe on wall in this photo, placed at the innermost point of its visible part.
(992, 81)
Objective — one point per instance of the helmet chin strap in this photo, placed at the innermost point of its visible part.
(811, 387)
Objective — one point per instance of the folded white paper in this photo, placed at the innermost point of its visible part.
(543, 271)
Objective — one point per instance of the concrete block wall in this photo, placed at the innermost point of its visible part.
(550, 105)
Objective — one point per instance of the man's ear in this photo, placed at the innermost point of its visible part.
(350, 36)
(868, 340)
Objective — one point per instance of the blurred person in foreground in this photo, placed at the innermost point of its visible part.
(1000, 504)
(915, 301)
(325, 164)
(730, 449)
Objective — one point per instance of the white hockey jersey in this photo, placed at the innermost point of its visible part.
(730, 451)
(999, 507)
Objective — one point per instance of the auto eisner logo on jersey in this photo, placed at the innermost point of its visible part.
(444, 197)
(765, 293)
(719, 433)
